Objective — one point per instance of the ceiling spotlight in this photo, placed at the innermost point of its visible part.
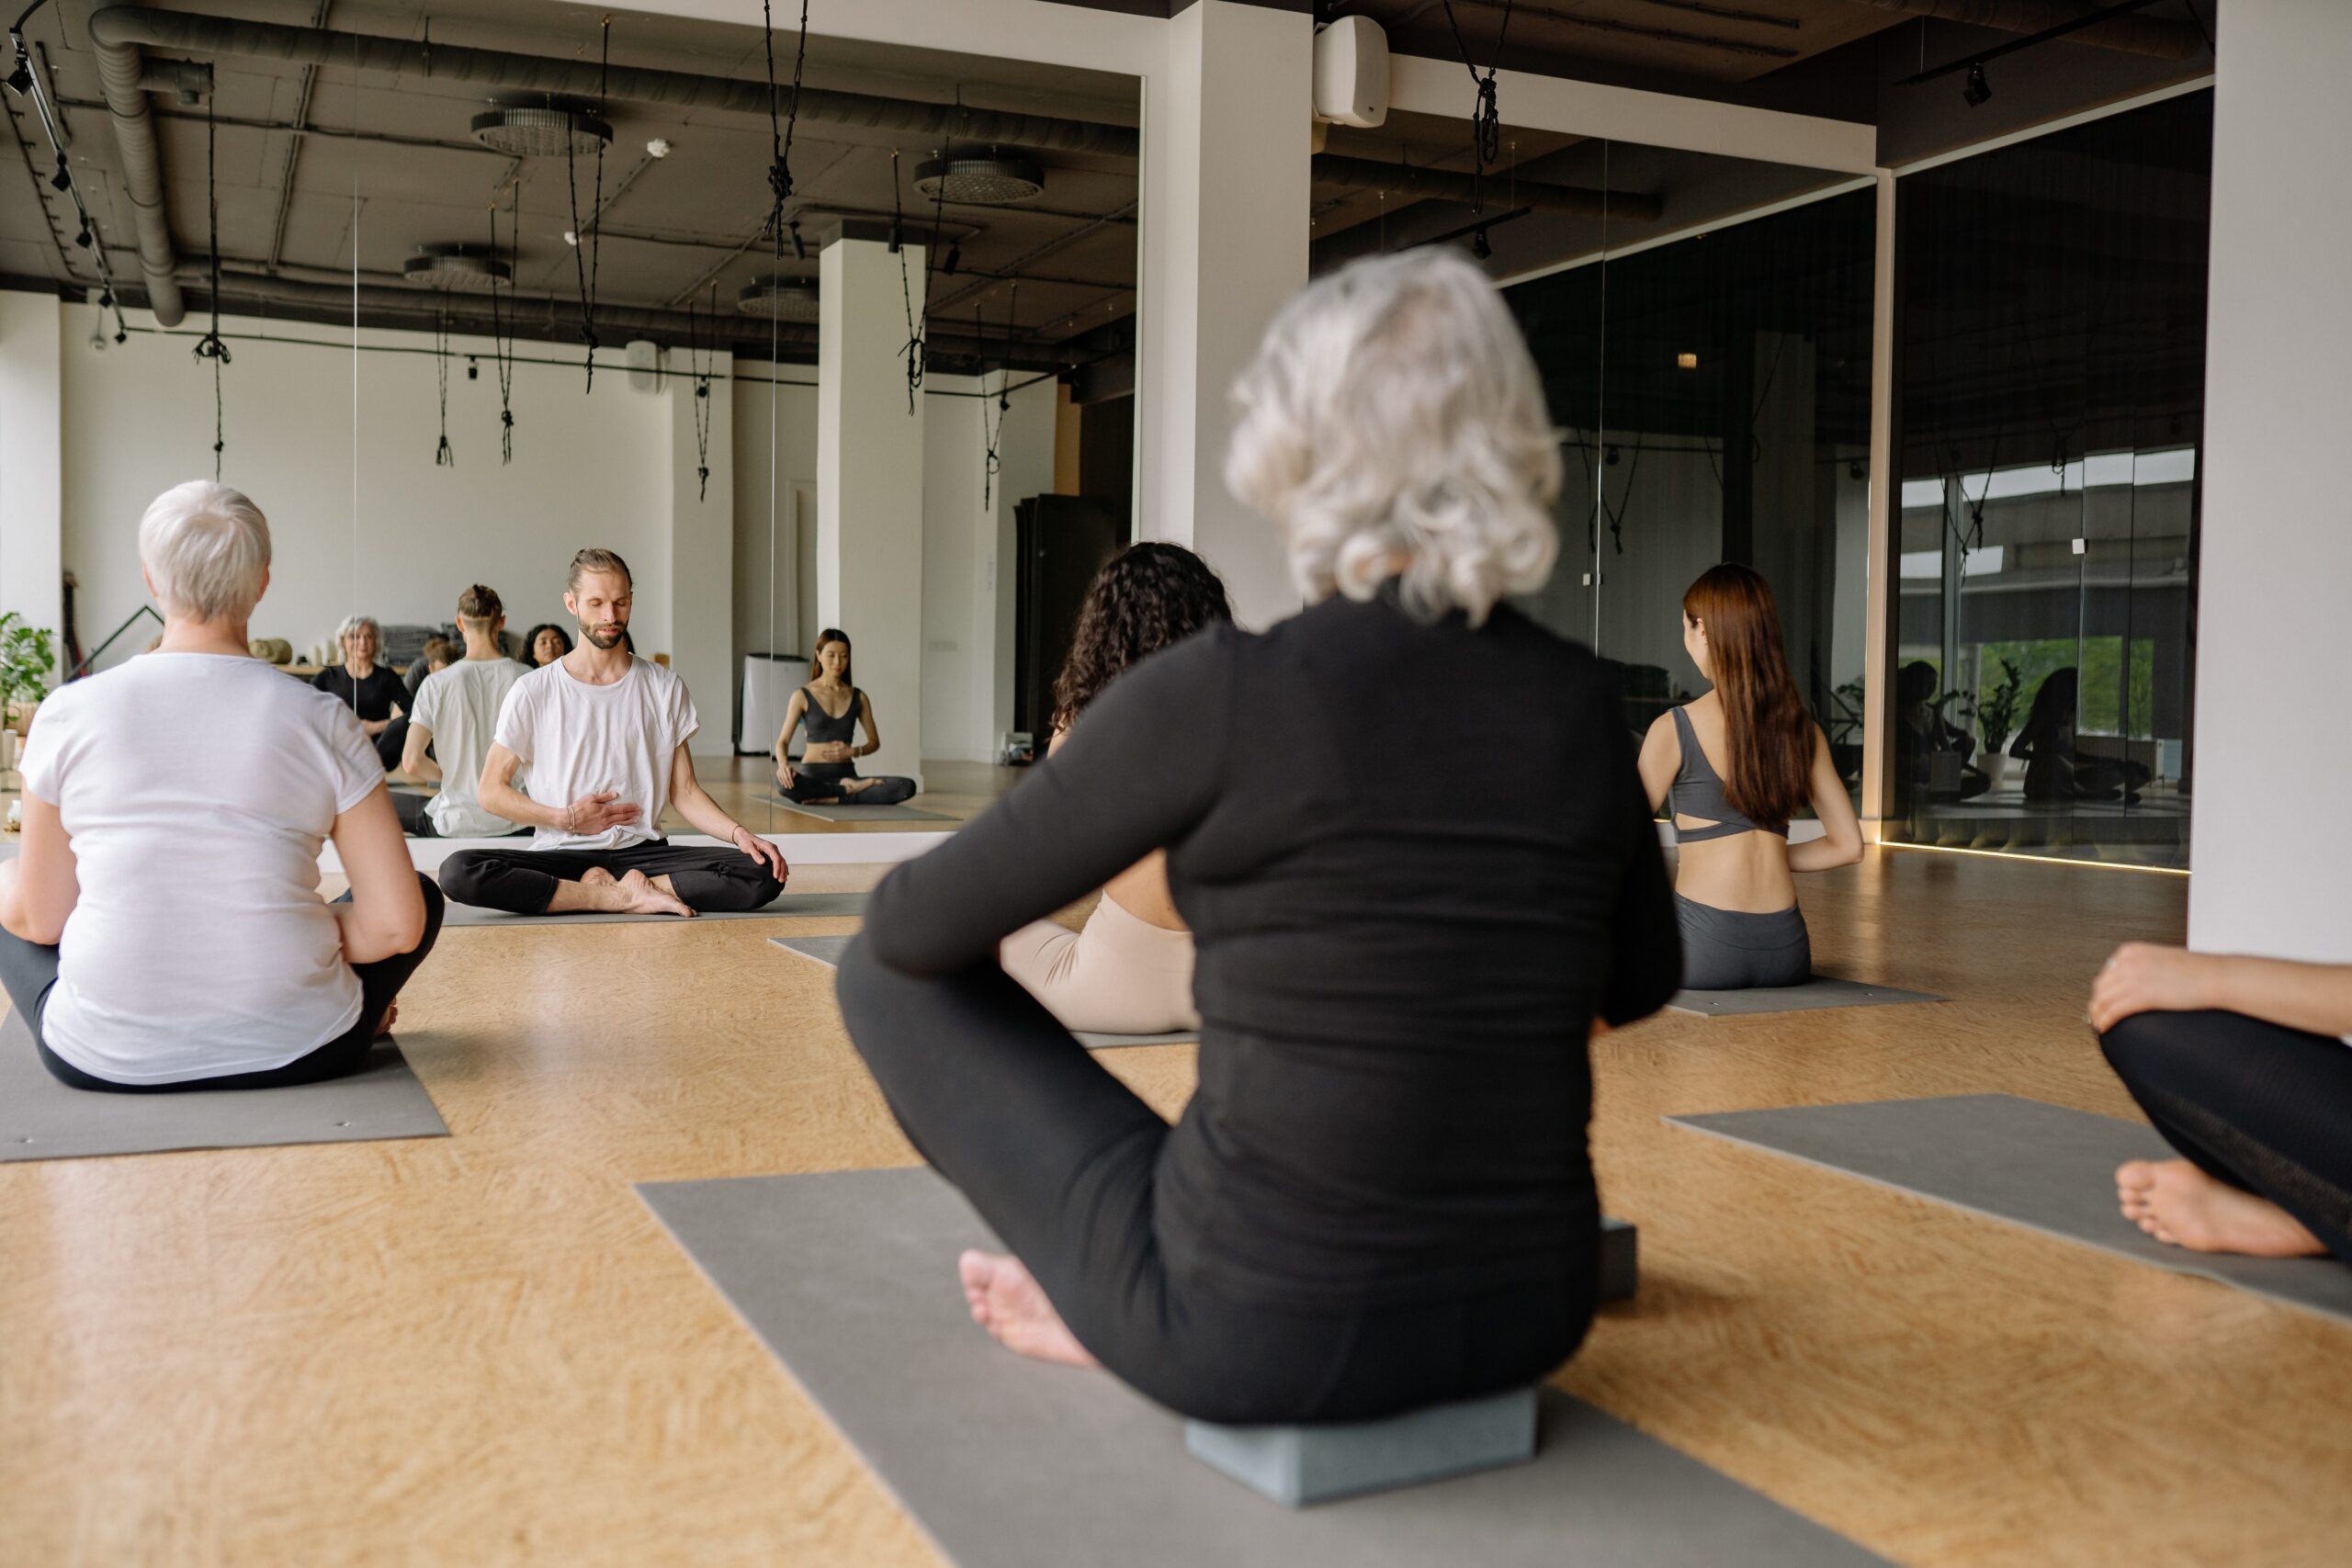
(992, 180)
(897, 238)
(800, 251)
(64, 178)
(955, 259)
(1479, 245)
(1976, 89)
(523, 131)
(657, 148)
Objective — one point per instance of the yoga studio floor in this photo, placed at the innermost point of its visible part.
(484, 1349)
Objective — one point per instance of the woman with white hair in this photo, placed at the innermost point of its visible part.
(1379, 1198)
(163, 930)
(376, 693)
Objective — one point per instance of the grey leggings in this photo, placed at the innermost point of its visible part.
(821, 781)
(1729, 950)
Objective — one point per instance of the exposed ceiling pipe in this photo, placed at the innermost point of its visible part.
(121, 72)
(1446, 184)
(128, 27)
(2130, 35)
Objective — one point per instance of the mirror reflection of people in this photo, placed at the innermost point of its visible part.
(2241, 1064)
(605, 733)
(1923, 737)
(2054, 770)
(374, 693)
(545, 645)
(1737, 763)
(833, 709)
(1130, 971)
(164, 926)
(450, 736)
(439, 653)
(1379, 1197)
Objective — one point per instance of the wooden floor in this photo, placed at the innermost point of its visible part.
(482, 1350)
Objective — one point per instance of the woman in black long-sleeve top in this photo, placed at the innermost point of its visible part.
(1380, 1196)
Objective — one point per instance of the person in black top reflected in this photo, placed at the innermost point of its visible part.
(2054, 770)
(374, 692)
(1380, 1196)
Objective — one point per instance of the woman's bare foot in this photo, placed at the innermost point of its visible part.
(1007, 1302)
(640, 896)
(853, 787)
(391, 1016)
(2179, 1205)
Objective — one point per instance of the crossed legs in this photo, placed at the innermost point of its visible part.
(654, 877)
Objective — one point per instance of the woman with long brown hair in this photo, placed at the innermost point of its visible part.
(1738, 763)
(833, 709)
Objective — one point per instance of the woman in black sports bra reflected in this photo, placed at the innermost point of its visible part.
(1734, 892)
(833, 709)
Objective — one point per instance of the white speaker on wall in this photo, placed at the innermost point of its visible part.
(644, 361)
(1351, 73)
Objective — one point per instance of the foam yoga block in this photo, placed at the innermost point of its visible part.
(828, 950)
(1620, 1259)
(1299, 1465)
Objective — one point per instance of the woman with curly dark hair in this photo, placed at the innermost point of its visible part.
(1130, 971)
(547, 643)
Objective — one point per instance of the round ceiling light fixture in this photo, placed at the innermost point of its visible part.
(464, 268)
(522, 130)
(995, 180)
(778, 298)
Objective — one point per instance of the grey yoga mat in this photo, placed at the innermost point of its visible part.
(862, 813)
(2042, 1166)
(849, 1278)
(42, 1119)
(827, 950)
(787, 906)
(1817, 992)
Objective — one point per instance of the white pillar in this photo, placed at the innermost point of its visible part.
(2270, 875)
(1226, 162)
(702, 545)
(869, 479)
(32, 461)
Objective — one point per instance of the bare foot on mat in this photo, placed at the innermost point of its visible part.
(2177, 1203)
(1007, 1301)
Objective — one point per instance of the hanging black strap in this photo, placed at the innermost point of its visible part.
(210, 346)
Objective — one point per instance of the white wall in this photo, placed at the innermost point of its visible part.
(587, 469)
(2278, 522)
(31, 461)
(774, 411)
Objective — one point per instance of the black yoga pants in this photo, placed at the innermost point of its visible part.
(29, 971)
(820, 782)
(391, 741)
(1731, 950)
(522, 882)
(2264, 1108)
(1058, 1156)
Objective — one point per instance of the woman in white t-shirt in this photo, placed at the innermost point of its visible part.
(164, 929)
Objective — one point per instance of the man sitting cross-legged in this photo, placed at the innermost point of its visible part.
(454, 714)
(606, 732)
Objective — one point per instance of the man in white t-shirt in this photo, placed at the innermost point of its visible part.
(456, 712)
(607, 732)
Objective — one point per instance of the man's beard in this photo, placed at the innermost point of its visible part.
(605, 640)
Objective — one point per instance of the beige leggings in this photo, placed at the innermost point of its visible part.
(1120, 976)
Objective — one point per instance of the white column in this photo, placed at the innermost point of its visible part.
(1224, 243)
(2271, 874)
(869, 481)
(1886, 518)
(33, 460)
(702, 547)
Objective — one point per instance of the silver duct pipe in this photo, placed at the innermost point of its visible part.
(121, 70)
(1446, 184)
(126, 27)
(2130, 35)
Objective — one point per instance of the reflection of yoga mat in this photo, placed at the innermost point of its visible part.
(42, 1119)
(849, 1278)
(862, 813)
(2042, 1166)
(827, 950)
(1817, 992)
(787, 906)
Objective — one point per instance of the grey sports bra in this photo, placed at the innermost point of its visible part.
(824, 727)
(1698, 791)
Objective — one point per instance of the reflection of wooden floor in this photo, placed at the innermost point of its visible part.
(482, 1350)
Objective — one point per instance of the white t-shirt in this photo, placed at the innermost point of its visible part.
(459, 705)
(580, 740)
(197, 788)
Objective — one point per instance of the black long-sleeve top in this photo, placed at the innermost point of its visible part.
(372, 699)
(1401, 945)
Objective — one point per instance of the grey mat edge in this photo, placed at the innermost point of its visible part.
(2214, 1268)
(1753, 999)
(894, 813)
(1093, 1039)
(474, 918)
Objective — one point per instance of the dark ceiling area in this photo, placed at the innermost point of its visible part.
(337, 139)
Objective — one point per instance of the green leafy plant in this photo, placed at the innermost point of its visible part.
(28, 659)
(1997, 707)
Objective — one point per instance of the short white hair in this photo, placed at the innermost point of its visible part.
(206, 548)
(1393, 415)
(352, 622)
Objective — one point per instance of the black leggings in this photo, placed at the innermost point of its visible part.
(814, 782)
(522, 882)
(2262, 1107)
(1060, 1158)
(29, 971)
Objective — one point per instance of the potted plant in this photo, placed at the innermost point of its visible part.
(28, 659)
(1997, 712)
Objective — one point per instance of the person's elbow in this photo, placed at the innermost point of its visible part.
(36, 926)
(383, 927)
